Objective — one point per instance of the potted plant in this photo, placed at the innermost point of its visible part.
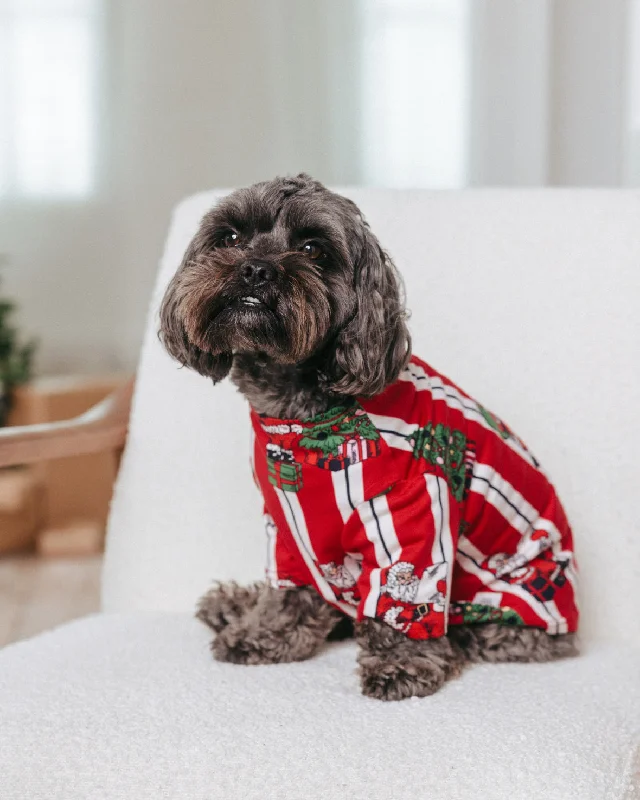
(16, 359)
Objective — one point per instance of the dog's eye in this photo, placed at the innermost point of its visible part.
(230, 239)
(313, 250)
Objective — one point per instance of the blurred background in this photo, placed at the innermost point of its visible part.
(111, 111)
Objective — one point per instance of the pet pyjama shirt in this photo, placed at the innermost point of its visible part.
(417, 507)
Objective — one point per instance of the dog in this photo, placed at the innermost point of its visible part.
(398, 509)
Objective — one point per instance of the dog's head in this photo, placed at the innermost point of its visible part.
(290, 270)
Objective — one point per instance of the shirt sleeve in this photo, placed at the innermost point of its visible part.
(282, 568)
(407, 539)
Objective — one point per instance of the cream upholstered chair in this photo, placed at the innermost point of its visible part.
(529, 300)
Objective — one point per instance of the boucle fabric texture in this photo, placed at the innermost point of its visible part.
(132, 707)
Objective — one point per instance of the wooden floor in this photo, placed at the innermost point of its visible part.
(38, 594)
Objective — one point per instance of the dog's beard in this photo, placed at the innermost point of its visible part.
(286, 320)
(239, 327)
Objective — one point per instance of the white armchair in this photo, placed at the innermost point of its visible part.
(530, 301)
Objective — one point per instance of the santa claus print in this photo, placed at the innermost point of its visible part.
(411, 604)
(392, 617)
(402, 582)
(415, 509)
(529, 548)
(541, 577)
(419, 621)
(343, 578)
(338, 575)
(433, 586)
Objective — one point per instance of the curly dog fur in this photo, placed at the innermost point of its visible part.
(261, 625)
(392, 667)
(331, 324)
(275, 627)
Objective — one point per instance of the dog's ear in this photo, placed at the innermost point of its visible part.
(375, 345)
(174, 337)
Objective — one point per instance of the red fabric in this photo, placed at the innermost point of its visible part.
(417, 507)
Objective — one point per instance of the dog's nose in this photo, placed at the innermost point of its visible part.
(255, 273)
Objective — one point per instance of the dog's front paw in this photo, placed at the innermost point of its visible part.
(225, 603)
(284, 625)
(244, 642)
(237, 645)
(385, 679)
(393, 667)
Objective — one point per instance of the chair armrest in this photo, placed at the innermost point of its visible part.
(103, 427)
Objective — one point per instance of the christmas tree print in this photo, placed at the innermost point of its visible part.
(476, 613)
(342, 436)
(331, 430)
(443, 447)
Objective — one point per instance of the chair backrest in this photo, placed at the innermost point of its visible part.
(527, 299)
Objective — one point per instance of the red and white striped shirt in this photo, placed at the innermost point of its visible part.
(417, 507)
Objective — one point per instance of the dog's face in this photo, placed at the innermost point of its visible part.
(288, 270)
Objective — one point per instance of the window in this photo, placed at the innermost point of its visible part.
(48, 74)
(633, 132)
(415, 92)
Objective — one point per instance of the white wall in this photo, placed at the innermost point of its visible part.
(549, 92)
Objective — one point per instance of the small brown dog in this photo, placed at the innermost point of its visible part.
(285, 288)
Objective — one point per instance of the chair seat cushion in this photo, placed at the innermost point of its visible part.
(116, 706)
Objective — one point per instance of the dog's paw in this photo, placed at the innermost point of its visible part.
(385, 679)
(241, 643)
(225, 603)
(502, 644)
(236, 649)
(393, 667)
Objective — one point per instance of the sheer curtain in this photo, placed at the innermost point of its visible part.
(59, 227)
(492, 92)
(48, 81)
(111, 111)
(415, 92)
(633, 129)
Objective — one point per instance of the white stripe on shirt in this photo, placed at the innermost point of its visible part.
(294, 515)
(379, 529)
(487, 577)
(394, 430)
(348, 489)
(442, 548)
(455, 399)
(371, 603)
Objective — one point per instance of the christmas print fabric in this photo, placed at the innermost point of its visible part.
(417, 507)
